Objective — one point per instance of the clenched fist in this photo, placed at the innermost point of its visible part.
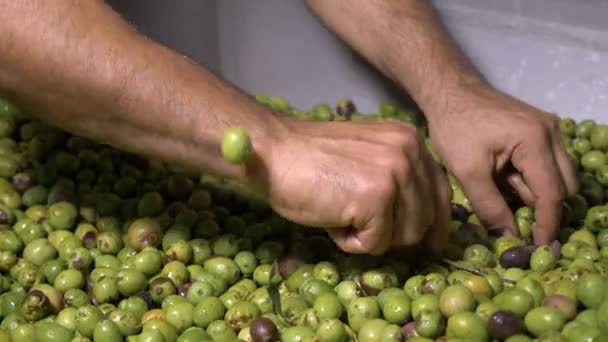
(372, 185)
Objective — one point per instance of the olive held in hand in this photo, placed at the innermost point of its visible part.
(236, 146)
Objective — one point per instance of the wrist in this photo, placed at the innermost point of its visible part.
(273, 131)
(451, 96)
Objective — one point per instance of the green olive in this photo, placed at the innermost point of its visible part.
(543, 319)
(236, 146)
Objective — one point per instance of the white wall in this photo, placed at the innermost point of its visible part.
(551, 53)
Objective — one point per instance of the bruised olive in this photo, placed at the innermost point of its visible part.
(144, 232)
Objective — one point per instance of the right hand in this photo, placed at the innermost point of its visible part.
(372, 185)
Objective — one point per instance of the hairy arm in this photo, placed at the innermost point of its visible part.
(78, 66)
(405, 40)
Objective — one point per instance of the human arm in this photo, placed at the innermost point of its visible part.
(80, 67)
(77, 65)
(477, 130)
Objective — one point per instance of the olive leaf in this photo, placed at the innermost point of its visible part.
(275, 297)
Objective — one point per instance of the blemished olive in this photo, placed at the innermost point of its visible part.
(565, 304)
(144, 232)
(360, 310)
(241, 314)
(221, 331)
(478, 255)
(429, 324)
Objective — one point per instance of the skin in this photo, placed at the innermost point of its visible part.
(80, 67)
(406, 41)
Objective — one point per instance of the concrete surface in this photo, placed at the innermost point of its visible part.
(551, 53)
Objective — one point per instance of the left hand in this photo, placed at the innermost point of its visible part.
(479, 131)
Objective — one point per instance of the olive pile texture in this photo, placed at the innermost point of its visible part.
(101, 245)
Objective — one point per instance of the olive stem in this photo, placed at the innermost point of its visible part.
(470, 270)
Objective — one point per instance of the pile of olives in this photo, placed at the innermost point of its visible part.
(101, 245)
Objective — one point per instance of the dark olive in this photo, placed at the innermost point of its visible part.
(345, 108)
(470, 234)
(263, 330)
(460, 213)
(179, 186)
(22, 181)
(409, 329)
(517, 256)
(289, 264)
(504, 324)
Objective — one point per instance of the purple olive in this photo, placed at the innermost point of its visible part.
(563, 303)
(346, 108)
(289, 264)
(409, 329)
(460, 213)
(146, 297)
(182, 290)
(504, 324)
(89, 240)
(263, 330)
(470, 234)
(517, 256)
(63, 196)
(22, 181)
(5, 217)
(556, 246)
(321, 246)
(89, 284)
(179, 186)
(567, 214)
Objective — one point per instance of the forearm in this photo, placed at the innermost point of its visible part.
(77, 65)
(406, 41)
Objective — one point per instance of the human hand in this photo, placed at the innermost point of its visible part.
(479, 132)
(372, 185)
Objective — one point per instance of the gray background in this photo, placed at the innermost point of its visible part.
(550, 53)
